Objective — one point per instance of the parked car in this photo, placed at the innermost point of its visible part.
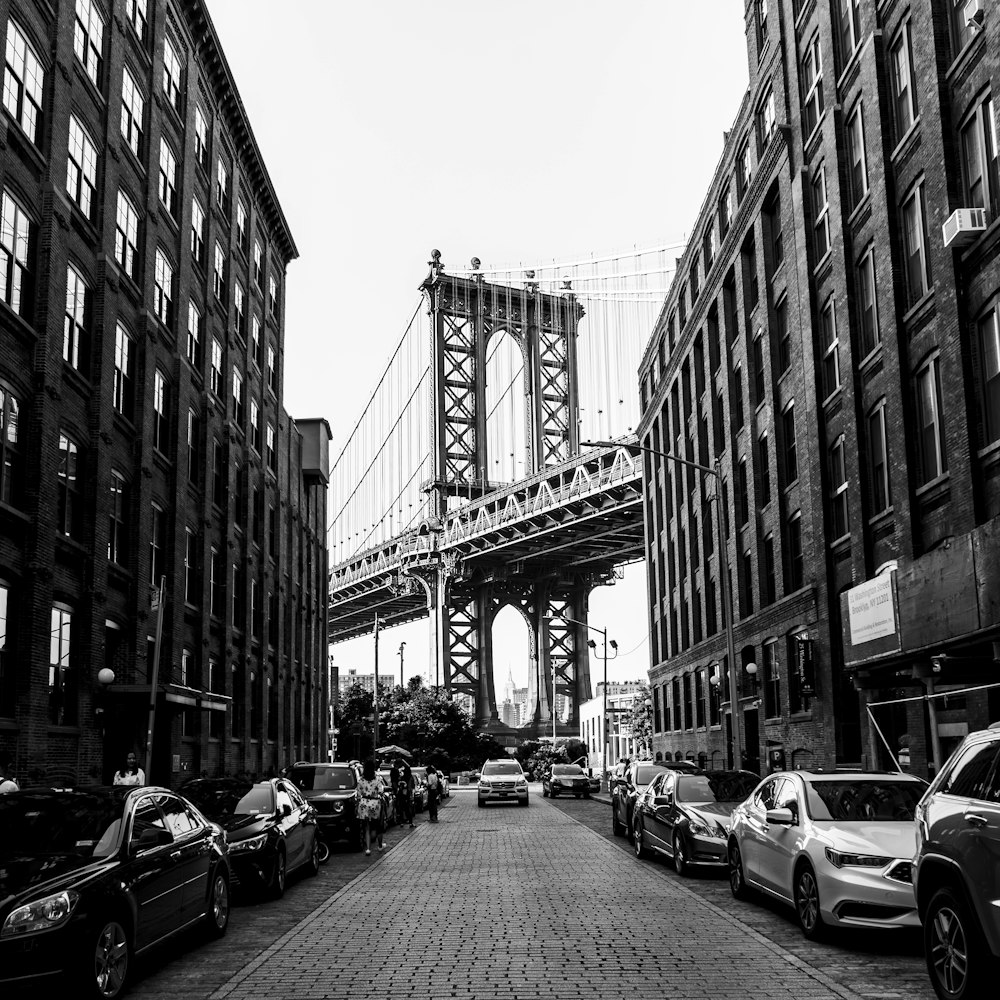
(837, 847)
(633, 780)
(502, 781)
(594, 782)
(957, 875)
(332, 790)
(565, 779)
(92, 878)
(687, 816)
(270, 828)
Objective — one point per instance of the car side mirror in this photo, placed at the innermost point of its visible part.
(153, 836)
(781, 817)
(663, 800)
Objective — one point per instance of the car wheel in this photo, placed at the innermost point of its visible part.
(276, 887)
(576, 795)
(807, 902)
(481, 803)
(737, 880)
(524, 802)
(681, 864)
(312, 868)
(616, 827)
(553, 794)
(957, 958)
(106, 960)
(323, 849)
(217, 917)
(637, 843)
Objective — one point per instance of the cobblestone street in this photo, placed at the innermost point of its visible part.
(508, 902)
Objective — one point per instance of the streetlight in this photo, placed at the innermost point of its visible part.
(727, 597)
(604, 717)
(401, 645)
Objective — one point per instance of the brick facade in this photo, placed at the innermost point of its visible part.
(160, 424)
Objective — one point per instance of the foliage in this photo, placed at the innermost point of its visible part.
(641, 722)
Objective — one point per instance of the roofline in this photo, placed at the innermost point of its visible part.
(221, 76)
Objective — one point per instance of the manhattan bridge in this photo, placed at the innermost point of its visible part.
(467, 485)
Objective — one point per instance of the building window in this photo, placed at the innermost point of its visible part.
(124, 387)
(850, 27)
(241, 225)
(979, 159)
(254, 425)
(761, 8)
(217, 580)
(821, 214)
(812, 83)
(222, 185)
(200, 138)
(88, 39)
(163, 278)
(81, 168)
(133, 108)
(989, 347)
(239, 511)
(746, 574)
(197, 232)
(772, 680)
(135, 12)
(217, 683)
(157, 545)
(857, 168)
(738, 395)
(118, 534)
(788, 439)
(219, 273)
(255, 339)
(190, 566)
(725, 211)
(878, 452)
(772, 217)
(239, 310)
(793, 548)
(770, 594)
(744, 169)
(194, 333)
(17, 250)
(11, 461)
(272, 453)
(218, 473)
(69, 470)
(718, 425)
(216, 372)
(918, 278)
(838, 488)
(933, 460)
(23, 82)
(708, 247)
(193, 445)
(831, 348)
(743, 494)
(963, 30)
(904, 84)
(867, 304)
(766, 119)
(62, 686)
(258, 267)
(161, 413)
(126, 235)
(8, 655)
(783, 336)
(273, 296)
(76, 321)
(168, 178)
(764, 467)
(239, 595)
(238, 411)
(171, 75)
(758, 369)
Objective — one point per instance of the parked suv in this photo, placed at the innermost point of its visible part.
(502, 781)
(956, 877)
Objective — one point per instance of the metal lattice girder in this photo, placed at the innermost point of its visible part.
(464, 645)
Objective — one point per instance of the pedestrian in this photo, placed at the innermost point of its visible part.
(370, 789)
(7, 782)
(433, 792)
(131, 773)
(404, 792)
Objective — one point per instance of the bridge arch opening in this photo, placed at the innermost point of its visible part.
(511, 668)
(506, 410)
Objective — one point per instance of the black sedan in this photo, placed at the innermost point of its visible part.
(687, 816)
(332, 790)
(565, 779)
(91, 878)
(270, 828)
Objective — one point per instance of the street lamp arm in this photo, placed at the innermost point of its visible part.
(708, 470)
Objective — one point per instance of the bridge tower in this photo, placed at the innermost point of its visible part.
(465, 313)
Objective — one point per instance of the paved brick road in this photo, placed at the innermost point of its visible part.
(469, 901)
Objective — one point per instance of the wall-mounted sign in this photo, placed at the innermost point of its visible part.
(871, 610)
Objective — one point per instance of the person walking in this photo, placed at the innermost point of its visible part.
(7, 782)
(131, 773)
(433, 792)
(404, 791)
(370, 789)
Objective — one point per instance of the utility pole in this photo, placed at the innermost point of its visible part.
(154, 674)
(401, 645)
(375, 693)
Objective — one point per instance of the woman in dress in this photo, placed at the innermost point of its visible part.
(131, 773)
(370, 789)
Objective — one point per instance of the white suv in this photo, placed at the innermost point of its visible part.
(502, 781)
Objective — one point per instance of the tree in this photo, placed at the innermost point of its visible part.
(641, 722)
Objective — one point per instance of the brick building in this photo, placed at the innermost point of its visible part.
(144, 437)
(836, 352)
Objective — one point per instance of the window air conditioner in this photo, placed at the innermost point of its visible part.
(963, 226)
(973, 13)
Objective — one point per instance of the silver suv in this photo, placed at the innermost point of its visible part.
(957, 874)
(502, 781)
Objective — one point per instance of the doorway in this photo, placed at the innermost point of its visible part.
(751, 752)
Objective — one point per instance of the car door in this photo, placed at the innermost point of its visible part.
(778, 844)
(192, 855)
(290, 826)
(307, 820)
(153, 873)
(755, 828)
(659, 824)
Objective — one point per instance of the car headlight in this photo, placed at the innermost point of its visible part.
(521, 781)
(338, 807)
(701, 830)
(250, 844)
(42, 915)
(840, 859)
(556, 781)
(484, 784)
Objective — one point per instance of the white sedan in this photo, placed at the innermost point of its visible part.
(838, 847)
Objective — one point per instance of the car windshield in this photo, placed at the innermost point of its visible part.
(230, 797)
(645, 773)
(45, 823)
(564, 769)
(501, 767)
(863, 800)
(323, 779)
(715, 786)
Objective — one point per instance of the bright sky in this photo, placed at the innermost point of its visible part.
(522, 130)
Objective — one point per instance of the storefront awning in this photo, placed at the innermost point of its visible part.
(177, 694)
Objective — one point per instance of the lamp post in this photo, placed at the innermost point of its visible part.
(401, 646)
(604, 711)
(727, 597)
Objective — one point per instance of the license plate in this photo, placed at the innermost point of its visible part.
(503, 795)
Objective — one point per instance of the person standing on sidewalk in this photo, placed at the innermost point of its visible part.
(404, 792)
(370, 789)
(433, 792)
